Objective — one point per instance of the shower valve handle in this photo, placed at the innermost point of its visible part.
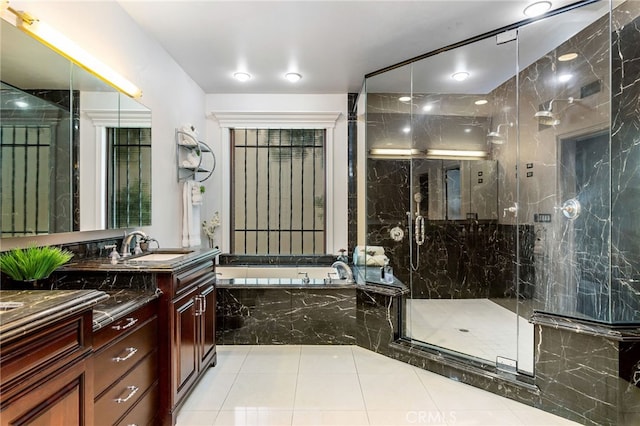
(513, 209)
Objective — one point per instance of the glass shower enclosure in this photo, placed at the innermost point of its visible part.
(495, 160)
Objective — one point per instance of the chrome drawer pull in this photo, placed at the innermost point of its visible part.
(132, 391)
(130, 323)
(130, 352)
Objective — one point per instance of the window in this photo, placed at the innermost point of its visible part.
(25, 180)
(278, 191)
(129, 189)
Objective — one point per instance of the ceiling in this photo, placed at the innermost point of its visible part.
(332, 44)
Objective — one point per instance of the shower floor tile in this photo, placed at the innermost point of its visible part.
(476, 327)
(350, 386)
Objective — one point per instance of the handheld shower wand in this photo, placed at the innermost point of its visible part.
(419, 223)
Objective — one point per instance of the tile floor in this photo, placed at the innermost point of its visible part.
(476, 327)
(340, 385)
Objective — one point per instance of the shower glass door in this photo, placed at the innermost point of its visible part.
(440, 151)
(565, 163)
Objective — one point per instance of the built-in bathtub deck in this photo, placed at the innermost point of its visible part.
(267, 302)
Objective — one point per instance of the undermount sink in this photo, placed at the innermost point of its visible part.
(161, 255)
(158, 257)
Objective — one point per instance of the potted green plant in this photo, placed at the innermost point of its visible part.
(32, 264)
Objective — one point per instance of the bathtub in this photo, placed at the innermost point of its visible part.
(278, 275)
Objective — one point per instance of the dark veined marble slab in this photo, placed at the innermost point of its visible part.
(40, 307)
(119, 304)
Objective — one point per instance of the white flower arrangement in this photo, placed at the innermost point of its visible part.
(210, 226)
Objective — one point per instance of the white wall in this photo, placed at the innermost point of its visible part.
(108, 33)
(217, 192)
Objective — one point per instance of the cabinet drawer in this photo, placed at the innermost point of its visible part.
(145, 410)
(198, 275)
(114, 360)
(123, 326)
(127, 392)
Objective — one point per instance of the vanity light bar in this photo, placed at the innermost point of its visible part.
(446, 153)
(395, 151)
(67, 48)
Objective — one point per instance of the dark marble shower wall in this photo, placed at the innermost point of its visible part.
(459, 259)
(625, 165)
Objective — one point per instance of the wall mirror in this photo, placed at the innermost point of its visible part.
(75, 153)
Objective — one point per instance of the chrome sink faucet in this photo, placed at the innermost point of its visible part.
(344, 270)
(125, 250)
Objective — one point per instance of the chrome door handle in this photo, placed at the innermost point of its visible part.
(130, 323)
(130, 352)
(132, 391)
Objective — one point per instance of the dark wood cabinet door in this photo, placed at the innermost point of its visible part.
(185, 347)
(62, 400)
(208, 326)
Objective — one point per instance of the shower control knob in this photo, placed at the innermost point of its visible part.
(396, 233)
(571, 208)
(513, 209)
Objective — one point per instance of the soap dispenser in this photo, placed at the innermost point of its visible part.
(114, 255)
(137, 249)
(386, 273)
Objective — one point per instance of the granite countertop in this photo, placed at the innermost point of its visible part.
(187, 256)
(40, 307)
(120, 303)
(369, 278)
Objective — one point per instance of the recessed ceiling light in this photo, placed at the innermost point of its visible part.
(21, 104)
(404, 98)
(460, 76)
(481, 102)
(406, 129)
(537, 8)
(467, 130)
(242, 76)
(427, 107)
(567, 57)
(563, 78)
(293, 76)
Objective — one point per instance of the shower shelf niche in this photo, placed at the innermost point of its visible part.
(194, 159)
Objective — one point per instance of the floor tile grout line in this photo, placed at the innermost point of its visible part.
(364, 401)
(235, 379)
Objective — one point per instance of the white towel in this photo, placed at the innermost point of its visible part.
(196, 195)
(190, 216)
(361, 254)
(377, 260)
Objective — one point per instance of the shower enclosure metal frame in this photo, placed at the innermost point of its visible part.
(536, 214)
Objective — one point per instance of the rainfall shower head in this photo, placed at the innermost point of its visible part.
(547, 117)
(496, 137)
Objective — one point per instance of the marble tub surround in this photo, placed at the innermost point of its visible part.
(41, 307)
(274, 311)
(285, 316)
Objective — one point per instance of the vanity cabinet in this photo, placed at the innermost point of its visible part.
(125, 380)
(188, 337)
(47, 374)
